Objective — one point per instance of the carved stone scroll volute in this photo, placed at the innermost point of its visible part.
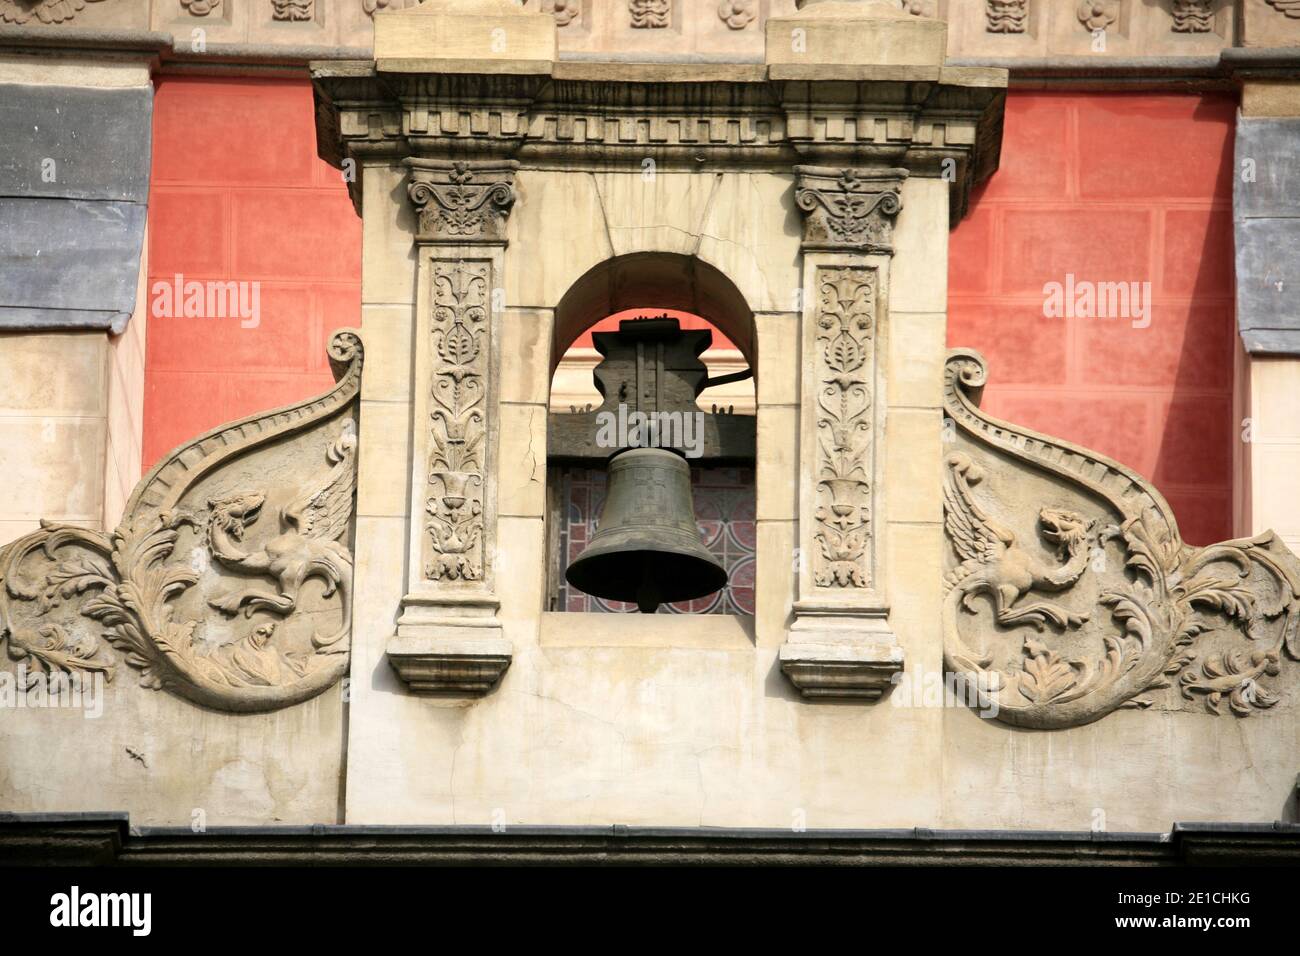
(840, 643)
(449, 639)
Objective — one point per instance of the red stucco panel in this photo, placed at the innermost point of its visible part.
(1112, 187)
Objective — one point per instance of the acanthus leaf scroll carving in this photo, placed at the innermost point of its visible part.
(459, 345)
(1193, 16)
(1070, 594)
(461, 201)
(194, 589)
(43, 11)
(1007, 16)
(845, 371)
(849, 209)
(650, 14)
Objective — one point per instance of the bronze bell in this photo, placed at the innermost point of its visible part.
(646, 549)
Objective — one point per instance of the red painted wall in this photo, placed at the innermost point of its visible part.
(1112, 187)
(238, 194)
(1109, 187)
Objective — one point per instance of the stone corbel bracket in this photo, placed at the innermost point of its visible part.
(229, 580)
(1070, 594)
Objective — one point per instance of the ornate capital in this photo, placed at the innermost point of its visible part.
(462, 202)
(849, 209)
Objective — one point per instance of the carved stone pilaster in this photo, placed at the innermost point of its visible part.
(449, 639)
(849, 209)
(840, 643)
(461, 201)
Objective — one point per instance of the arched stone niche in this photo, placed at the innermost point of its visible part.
(666, 280)
(724, 488)
(801, 205)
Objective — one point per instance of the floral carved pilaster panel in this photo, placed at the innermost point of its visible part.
(844, 372)
(849, 209)
(449, 639)
(460, 345)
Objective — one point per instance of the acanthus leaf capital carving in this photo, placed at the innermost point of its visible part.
(461, 201)
(847, 209)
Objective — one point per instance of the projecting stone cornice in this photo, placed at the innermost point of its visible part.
(584, 114)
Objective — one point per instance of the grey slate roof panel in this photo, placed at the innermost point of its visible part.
(72, 231)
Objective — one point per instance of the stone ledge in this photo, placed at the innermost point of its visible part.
(450, 666)
(841, 671)
(88, 839)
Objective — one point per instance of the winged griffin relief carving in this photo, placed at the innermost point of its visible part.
(1070, 594)
(199, 589)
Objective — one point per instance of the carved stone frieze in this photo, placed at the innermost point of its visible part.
(650, 14)
(203, 586)
(459, 343)
(849, 209)
(293, 10)
(1193, 16)
(738, 14)
(1070, 593)
(462, 202)
(41, 11)
(201, 8)
(1007, 16)
(1098, 14)
(845, 364)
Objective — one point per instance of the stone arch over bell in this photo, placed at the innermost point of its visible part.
(654, 280)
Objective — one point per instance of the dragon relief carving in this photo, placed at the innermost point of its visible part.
(149, 589)
(1135, 618)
